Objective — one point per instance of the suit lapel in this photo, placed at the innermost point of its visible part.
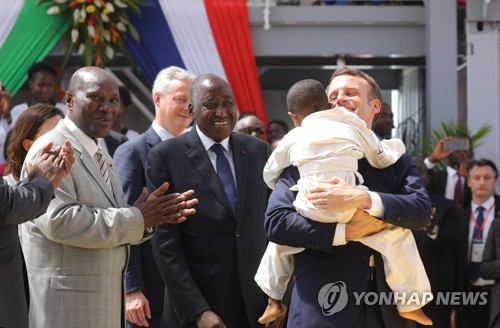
(240, 158)
(198, 157)
(152, 138)
(89, 163)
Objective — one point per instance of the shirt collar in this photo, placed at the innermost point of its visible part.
(207, 142)
(451, 171)
(487, 204)
(87, 142)
(162, 133)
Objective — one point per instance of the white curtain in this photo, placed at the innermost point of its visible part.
(9, 10)
(192, 34)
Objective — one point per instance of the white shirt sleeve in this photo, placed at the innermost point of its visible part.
(339, 238)
(428, 164)
(377, 209)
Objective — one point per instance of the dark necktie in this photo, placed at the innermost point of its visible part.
(477, 236)
(226, 177)
(457, 197)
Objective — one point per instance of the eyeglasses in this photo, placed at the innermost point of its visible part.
(250, 130)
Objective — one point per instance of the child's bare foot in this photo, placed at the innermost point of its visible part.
(273, 310)
(418, 316)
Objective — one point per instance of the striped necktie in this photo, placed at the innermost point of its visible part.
(103, 167)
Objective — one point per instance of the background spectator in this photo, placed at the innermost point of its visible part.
(41, 82)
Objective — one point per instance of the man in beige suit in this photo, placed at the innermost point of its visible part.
(77, 252)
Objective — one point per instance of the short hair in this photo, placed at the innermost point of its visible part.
(161, 84)
(26, 127)
(281, 123)
(247, 113)
(306, 96)
(125, 96)
(483, 162)
(375, 92)
(41, 67)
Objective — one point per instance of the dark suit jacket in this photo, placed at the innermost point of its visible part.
(437, 185)
(321, 263)
(17, 206)
(113, 140)
(490, 269)
(439, 256)
(142, 272)
(209, 261)
(463, 247)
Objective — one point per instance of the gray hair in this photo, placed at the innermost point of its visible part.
(162, 81)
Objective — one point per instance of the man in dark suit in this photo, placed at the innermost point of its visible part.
(37, 190)
(112, 141)
(437, 245)
(474, 227)
(490, 268)
(208, 263)
(145, 287)
(333, 266)
(451, 182)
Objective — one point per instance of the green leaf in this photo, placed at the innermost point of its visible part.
(133, 33)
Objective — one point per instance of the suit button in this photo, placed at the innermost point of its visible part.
(237, 233)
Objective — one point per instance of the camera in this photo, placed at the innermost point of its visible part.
(457, 144)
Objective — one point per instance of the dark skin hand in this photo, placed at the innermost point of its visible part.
(52, 164)
(363, 224)
(158, 208)
(278, 322)
(439, 153)
(432, 222)
(208, 319)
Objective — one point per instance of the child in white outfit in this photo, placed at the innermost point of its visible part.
(329, 143)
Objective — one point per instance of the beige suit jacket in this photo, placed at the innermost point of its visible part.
(76, 254)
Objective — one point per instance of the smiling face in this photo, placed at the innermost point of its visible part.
(213, 107)
(353, 93)
(172, 106)
(93, 101)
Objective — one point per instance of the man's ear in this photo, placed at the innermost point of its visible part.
(69, 100)
(156, 99)
(376, 106)
(296, 120)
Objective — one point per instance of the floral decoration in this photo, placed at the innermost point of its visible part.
(98, 26)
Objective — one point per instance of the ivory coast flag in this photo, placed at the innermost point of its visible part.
(27, 35)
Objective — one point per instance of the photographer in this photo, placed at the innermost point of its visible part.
(451, 182)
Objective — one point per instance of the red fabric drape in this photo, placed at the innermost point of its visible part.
(231, 31)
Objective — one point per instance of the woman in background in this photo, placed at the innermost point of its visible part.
(31, 124)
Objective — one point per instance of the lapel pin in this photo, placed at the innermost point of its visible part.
(243, 151)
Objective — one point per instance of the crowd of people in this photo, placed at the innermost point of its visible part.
(203, 220)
